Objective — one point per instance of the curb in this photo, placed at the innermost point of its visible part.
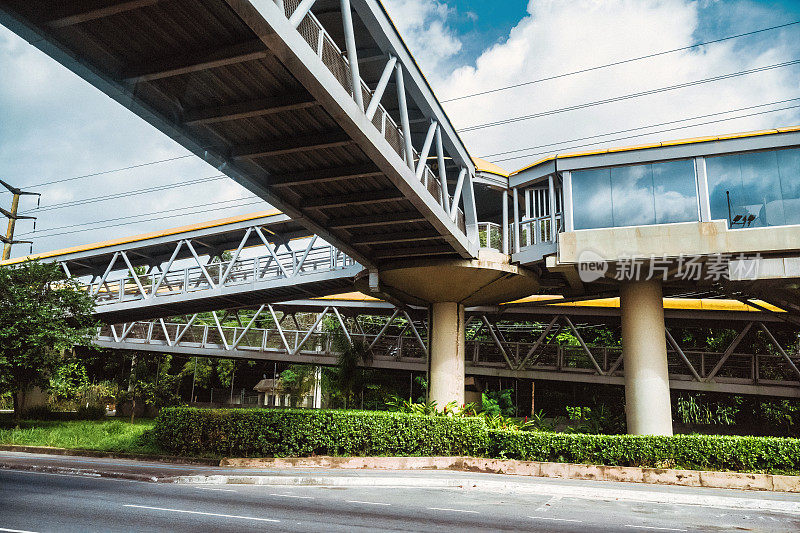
(602, 493)
(629, 474)
(110, 455)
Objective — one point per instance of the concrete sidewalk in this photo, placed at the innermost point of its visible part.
(182, 474)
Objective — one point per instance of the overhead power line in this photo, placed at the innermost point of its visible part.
(38, 236)
(117, 219)
(128, 194)
(651, 132)
(101, 173)
(639, 128)
(629, 96)
(615, 63)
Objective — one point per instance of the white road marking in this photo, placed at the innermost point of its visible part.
(16, 530)
(546, 505)
(554, 519)
(452, 510)
(293, 496)
(202, 513)
(216, 490)
(656, 528)
(75, 475)
(368, 503)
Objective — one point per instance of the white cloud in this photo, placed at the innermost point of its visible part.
(423, 25)
(558, 37)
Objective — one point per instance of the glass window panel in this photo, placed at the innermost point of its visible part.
(724, 183)
(632, 195)
(789, 170)
(675, 192)
(746, 189)
(591, 199)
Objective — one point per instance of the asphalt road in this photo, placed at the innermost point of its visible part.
(41, 501)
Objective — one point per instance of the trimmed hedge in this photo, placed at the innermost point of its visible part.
(692, 452)
(298, 433)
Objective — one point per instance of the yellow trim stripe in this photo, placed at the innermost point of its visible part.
(145, 236)
(694, 140)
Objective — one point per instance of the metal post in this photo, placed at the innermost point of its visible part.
(426, 149)
(352, 55)
(301, 12)
(504, 231)
(566, 186)
(381, 87)
(552, 197)
(404, 122)
(702, 189)
(442, 170)
(515, 200)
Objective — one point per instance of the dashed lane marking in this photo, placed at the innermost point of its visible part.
(184, 511)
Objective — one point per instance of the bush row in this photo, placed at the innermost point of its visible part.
(297, 433)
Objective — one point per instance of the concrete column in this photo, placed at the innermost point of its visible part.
(644, 349)
(447, 354)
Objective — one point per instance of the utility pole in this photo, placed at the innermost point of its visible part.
(13, 216)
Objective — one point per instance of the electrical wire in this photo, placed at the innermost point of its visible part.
(639, 128)
(261, 202)
(126, 194)
(116, 219)
(652, 132)
(615, 63)
(101, 173)
(628, 96)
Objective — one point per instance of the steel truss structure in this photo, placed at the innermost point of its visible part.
(156, 277)
(399, 341)
(290, 98)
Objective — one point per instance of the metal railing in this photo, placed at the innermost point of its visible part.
(490, 235)
(214, 275)
(314, 33)
(538, 230)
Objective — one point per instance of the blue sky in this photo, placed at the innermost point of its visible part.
(55, 126)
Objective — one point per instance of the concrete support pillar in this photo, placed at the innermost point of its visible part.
(447, 354)
(644, 349)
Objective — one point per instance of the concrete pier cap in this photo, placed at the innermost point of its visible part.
(448, 286)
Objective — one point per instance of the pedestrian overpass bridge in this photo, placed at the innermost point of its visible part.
(292, 99)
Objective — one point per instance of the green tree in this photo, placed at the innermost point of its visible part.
(42, 315)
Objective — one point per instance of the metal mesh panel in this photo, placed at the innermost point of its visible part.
(332, 58)
(394, 137)
(309, 30)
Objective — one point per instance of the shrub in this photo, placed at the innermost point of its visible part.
(299, 433)
(281, 433)
(693, 452)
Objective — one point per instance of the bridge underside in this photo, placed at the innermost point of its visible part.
(251, 97)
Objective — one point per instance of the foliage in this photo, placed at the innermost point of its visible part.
(106, 435)
(276, 433)
(691, 410)
(42, 314)
(296, 381)
(68, 380)
(695, 452)
(498, 403)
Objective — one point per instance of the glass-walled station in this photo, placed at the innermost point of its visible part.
(747, 181)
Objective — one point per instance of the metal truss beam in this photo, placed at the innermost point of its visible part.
(80, 17)
(196, 62)
(255, 108)
(291, 145)
(326, 175)
(386, 195)
(375, 220)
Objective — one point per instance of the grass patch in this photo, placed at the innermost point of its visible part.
(111, 435)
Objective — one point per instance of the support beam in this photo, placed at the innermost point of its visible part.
(504, 229)
(300, 13)
(447, 354)
(414, 252)
(644, 348)
(426, 149)
(196, 62)
(383, 82)
(375, 220)
(405, 127)
(99, 13)
(445, 200)
(323, 202)
(254, 108)
(325, 175)
(291, 145)
(403, 236)
(457, 194)
(352, 53)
